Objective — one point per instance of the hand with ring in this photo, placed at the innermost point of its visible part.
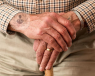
(46, 56)
(46, 26)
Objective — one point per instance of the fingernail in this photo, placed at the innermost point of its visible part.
(41, 69)
(74, 36)
(66, 49)
(47, 67)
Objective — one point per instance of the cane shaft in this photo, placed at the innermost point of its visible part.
(49, 72)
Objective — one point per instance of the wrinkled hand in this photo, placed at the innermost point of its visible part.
(47, 27)
(46, 58)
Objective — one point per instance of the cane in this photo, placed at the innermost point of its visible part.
(49, 72)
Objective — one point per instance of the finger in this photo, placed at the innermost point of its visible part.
(51, 41)
(68, 25)
(36, 44)
(64, 33)
(76, 23)
(45, 59)
(52, 59)
(40, 51)
(58, 38)
(65, 22)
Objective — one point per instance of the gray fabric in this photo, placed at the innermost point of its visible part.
(17, 57)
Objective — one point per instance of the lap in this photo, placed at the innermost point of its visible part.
(77, 64)
(17, 57)
(79, 60)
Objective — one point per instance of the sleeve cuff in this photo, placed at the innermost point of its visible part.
(6, 14)
(80, 18)
(87, 11)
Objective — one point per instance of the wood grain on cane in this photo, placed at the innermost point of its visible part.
(49, 72)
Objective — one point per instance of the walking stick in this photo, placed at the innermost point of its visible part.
(49, 72)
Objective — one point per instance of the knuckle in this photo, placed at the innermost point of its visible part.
(39, 54)
(58, 36)
(46, 56)
(47, 19)
(44, 24)
(67, 23)
(44, 64)
(53, 14)
(61, 31)
(51, 40)
(39, 32)
(43, 44)
(64, 30)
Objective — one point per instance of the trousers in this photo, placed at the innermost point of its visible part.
(17, 57)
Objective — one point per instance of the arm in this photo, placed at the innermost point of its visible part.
(44, 26)
(6, 14)
(46, 59)
(15, 20)
(87, 11)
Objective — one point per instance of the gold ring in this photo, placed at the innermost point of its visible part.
(49, 49)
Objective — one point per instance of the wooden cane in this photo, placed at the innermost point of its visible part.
(49, 72)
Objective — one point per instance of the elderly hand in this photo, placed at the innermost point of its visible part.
(43, 56)
(46, 58)
(47, 27)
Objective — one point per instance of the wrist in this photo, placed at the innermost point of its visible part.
(75, 20)
(19, 22)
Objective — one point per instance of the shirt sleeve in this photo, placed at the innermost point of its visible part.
(6, 14)
(87, 11)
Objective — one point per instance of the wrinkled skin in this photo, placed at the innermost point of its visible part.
(46, 58)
